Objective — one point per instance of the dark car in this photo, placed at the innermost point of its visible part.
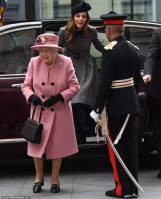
(15, 54)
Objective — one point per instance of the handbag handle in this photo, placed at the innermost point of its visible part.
(34, 113)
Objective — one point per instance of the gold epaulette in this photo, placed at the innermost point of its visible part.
(110, 45)
(137, 48)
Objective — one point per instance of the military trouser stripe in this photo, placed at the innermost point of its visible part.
(113, 162)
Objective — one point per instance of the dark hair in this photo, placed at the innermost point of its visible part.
(70, 31)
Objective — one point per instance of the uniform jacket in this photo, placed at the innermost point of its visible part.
(84, 64)
(152, 64)
(58, 136)
(121, 62)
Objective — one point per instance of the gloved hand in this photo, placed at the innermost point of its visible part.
(52, 100)
(94, 115)
(35, 100)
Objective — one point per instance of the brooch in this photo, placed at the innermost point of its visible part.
(39, 41)
(44, 40)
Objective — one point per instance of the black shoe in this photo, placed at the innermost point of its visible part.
(112, 193)
(159, 175)
(37, 186)
(55, 188)
(131, 196)
(134, 195)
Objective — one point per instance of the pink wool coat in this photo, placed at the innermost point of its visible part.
(58, 136)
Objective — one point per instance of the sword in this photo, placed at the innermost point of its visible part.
(106, 133)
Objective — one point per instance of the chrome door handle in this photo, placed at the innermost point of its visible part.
(16, 85)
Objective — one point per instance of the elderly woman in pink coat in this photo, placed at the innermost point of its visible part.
(51, 82)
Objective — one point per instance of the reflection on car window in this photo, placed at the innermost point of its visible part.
(15, 51)
(140, 37)
(17, 39)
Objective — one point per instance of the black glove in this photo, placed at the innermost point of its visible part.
(35, 100)
(52, 100)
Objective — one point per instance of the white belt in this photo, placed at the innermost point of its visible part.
(122, 83)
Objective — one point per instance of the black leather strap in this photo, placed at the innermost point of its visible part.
(34, 113)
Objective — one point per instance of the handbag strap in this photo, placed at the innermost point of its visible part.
(34, 113)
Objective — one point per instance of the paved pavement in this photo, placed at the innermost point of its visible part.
(80, 178)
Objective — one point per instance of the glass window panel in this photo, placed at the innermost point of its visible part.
(56, 9)
(146, 10)
(15, 51)
(140, 37)
(142, 9)
(15, 10)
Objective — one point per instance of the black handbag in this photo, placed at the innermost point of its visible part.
(32, 130)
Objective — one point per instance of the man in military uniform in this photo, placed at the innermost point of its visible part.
(118, 86)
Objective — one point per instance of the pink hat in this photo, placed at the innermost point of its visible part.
(47, 40)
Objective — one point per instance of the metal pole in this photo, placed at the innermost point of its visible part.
(56, 3)
(145, 10)
(112, 5)
(132, 9)
(30, 10)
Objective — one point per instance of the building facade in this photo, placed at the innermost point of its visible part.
(145, 10)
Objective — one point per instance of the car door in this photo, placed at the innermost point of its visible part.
(15, 54)
(140, 33)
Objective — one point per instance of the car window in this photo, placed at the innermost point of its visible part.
(140, 37)
(15, 51)
(95, 53)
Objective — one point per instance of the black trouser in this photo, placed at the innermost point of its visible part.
(84, 124)
(154, 106)
(127, 149)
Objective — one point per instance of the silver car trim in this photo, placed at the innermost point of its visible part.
(16, 85)
(140, 26)
(3, 78)
(19, 29)
(14, 140)
(12, 75)
(142, 22)
(19, 26)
